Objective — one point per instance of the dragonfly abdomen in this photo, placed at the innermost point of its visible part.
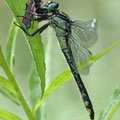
(70, 60)
(84, 95)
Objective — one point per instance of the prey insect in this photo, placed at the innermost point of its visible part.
(75, 37)
(28, 15)
(32, 7)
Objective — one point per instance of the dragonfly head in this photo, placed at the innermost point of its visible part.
(52, 6)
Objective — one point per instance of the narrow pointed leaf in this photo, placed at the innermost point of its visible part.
(56, 83)
(34, 81)
(7, 84)
(5, 115)
(11, 78)
(95, 58)
(11, 96)
(10, 49)
(66, 76)
(18, 8)
(38, 53)
(114, 103)
(8, 90)
(35, 90)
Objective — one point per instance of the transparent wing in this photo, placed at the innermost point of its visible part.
(80, 55)
(85, 33)
(83, 36)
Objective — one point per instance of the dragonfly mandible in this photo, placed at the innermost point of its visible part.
(75, 37)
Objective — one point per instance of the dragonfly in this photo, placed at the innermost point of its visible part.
(75, 38)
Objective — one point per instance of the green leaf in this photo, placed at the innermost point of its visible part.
(8, 90)
(7, 84)
(34, 85)
(56, 83)
(11, 78)
(38, 53)
(11, 96)
(95, 58)
(18, 8)
(5, 115)
(34, 81)
(35, 90)
(10, 49)
(112, 106)
(66, 76)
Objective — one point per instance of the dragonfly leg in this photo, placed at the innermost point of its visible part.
(40, 30)
(37, 14)
(39, 19)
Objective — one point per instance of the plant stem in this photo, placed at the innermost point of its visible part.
(11, 77)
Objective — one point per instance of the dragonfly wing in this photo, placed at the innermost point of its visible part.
(80, 55)
(85, 33)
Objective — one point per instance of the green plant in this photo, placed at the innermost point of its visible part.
(9, 86)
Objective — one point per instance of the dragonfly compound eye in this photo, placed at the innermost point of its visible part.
(52, 6)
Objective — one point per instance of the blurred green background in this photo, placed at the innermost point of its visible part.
(104, 77)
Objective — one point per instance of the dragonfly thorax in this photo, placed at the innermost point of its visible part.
(61, 25)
